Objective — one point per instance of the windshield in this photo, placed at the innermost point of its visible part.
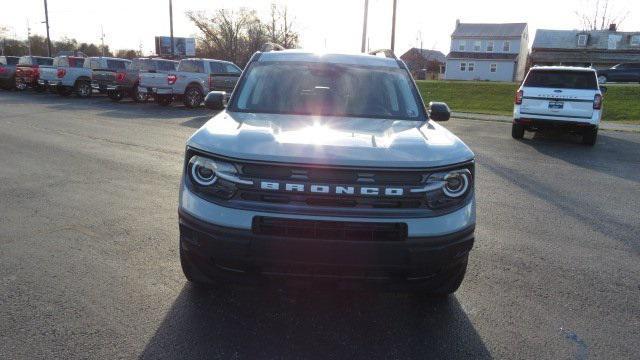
(307, 88)
(583, 80)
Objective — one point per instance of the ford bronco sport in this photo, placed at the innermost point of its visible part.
(327, 168)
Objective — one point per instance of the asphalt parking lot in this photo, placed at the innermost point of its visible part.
(89, 262)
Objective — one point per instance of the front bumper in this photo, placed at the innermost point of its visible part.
(240, 256)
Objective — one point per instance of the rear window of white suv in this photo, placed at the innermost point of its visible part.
(558, 79)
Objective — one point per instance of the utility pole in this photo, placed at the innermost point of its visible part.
(29, 36)
(364, 26)
(46, 19)
(393, 27)
(102, 38)
(171, 25)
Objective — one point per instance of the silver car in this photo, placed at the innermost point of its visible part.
(327, 169)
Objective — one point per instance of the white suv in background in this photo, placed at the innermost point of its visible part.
(566, 98)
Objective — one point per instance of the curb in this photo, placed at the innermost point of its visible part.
(507, 119)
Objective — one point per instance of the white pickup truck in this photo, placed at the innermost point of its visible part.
(193, 79)
(78, 75)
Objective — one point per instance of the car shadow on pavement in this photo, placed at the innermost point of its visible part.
(604, 157)
(270, 323)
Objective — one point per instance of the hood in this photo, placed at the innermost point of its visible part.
(323, 140)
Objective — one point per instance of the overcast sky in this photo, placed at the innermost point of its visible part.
(332, 24)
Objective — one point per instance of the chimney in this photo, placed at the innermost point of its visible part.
(613, 27)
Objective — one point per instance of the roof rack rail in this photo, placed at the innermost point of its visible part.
(388, 53)
(267, 47)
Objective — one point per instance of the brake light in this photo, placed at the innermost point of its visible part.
(597, 102)
(120, 76)
(171, 79)
(519, 96)
(61, 73)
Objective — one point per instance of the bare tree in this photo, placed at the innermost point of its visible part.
(235, 35)
(600, 15)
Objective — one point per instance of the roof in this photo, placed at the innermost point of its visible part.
(563, 68)
(568, 40)
(429, 55)
(510, 30)
(482, 56)
(351, 59)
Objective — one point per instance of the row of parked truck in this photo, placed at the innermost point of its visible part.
(141, 79)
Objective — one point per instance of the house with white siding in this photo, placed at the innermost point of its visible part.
(488, 52)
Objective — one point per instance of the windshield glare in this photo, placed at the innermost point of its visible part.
(328, 89)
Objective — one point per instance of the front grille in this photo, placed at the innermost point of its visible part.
(332, 175)
(329, 230)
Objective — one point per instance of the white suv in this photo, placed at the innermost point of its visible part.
(568, 98)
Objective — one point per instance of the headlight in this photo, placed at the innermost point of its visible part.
(213, 177)
(448, 189)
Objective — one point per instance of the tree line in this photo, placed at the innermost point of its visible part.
(227, 34)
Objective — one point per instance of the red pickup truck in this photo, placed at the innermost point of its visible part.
(28, 71)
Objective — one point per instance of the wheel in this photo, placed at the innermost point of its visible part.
(64, 91)
(450, 279)
(83, 89)
(115, 95)
(193, 97)
(589, 137)
(20, 84)
(192, 274)
(138, 96)
(602, 79)
(517, 131)
(164, 100)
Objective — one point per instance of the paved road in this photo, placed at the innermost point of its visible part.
(89, 264)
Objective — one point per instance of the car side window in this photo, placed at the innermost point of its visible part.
(216, 68)
(232, 69)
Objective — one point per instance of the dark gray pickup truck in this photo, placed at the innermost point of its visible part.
(104, 71)
(8, 71)
(127, 81)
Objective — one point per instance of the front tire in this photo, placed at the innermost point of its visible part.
(138, 96)
(193, 97)
(517, 131)
(191, 272)
(83, 89)
(450, 279)
(590, 137)
(20, 84)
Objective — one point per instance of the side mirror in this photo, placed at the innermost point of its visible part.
(603, 89)
(439, 111)
(216, 100)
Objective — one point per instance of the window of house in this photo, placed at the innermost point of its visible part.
(471, 67)
(507, 46)
(477, 46)
(493, 68)
(461, 45)
(463, 67)
(490, 46)
(635, 40)
(582, 39)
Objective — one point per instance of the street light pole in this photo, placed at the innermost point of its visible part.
(46, 19)
(364, 26)
(393, 27)
(171, 25)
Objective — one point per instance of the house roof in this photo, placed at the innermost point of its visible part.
(489, 30)
(568, 40)
(429, 55)
(481, 56)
